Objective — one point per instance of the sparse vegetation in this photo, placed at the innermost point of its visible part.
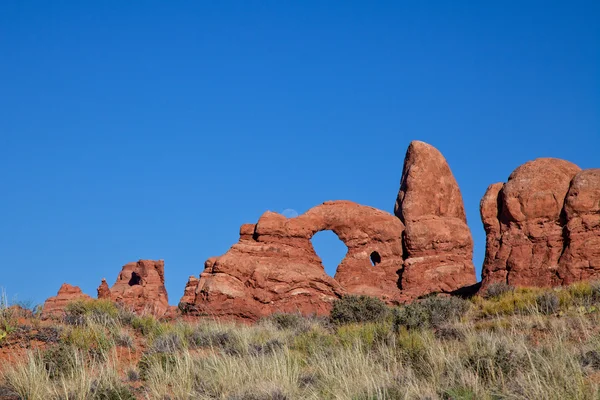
(512, 344)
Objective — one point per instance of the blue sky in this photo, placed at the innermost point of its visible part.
(153, 130)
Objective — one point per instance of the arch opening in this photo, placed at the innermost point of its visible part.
(135, 279)
(330, 249)
(375, 258)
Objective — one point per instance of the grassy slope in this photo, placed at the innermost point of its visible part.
(523, 344)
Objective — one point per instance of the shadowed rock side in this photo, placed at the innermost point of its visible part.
(437, 241)
(274, 267)
(140, 287)
(55, 306)
(543, 225)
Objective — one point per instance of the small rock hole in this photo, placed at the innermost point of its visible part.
(135, 279)
(375, 258)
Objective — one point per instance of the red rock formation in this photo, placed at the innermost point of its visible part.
(437, 240)
(55, 306)
(274, 267)
(103, 290)
(140, 287)
(524, 221)
(581, 258)
(189, 294)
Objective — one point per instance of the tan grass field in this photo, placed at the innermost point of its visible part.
(512, 344)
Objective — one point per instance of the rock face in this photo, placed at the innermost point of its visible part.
(274, 267)
(140, 287)
(55, 306)
(437, 240)
(543, 225)
(581, 259)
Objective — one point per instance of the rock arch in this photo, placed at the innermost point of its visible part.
(274, 267)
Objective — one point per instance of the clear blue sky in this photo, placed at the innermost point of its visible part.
(145, 129)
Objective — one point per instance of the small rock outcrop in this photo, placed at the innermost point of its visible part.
(437, 241)
(55, 306)
(274, 267)
(543, 225)
(103, 290)
(140, 287)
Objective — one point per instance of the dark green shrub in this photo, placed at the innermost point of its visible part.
(431, 312)
(490, 361)
(164, 361)
(458, 393)
(59, 360)
(293, 321)
(228, 342)
(497, 289)
(352, 309)
(591, 359)
(449, 333)
(80, 312)
(170, 342)
(548, 303)
(275, 394)
(269, 347)
(110, 391)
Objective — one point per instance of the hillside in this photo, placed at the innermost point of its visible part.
(505, 344)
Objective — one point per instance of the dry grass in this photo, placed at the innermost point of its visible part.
(518, 344)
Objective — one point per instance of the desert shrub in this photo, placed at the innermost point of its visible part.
(519, 301)
(91, 339)
(133, 375)
(590, 359)
(354, 309)
(547, 303)
(315, 341)
(169, 342)
(260, 394)
(110, 390)
(492, 359)
(261, 349)
(162, 361)
(146, 325)
(449, 333)
(498, 289)
(288, 321)
(412, 348)
(59, 360)
(228, 341)
(124, 339)
(458, 393)
(48, 334)
(84, 312)
(433, 311)
(367, 334)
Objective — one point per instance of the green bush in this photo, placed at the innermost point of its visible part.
(284, 321)
(83, 312)
(354, 309)
(548, 303)
(431, 312)
(59, 360)
(497, 289)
